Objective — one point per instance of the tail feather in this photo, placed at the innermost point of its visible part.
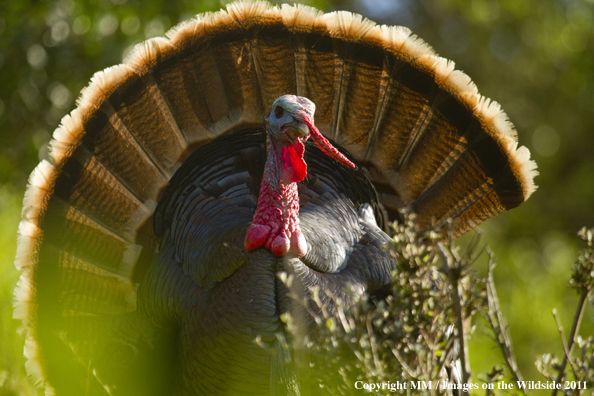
(138, 112)
(94, 195)
(384, 95)
(182, 87)
(116, 153)
(276, 66)
(93, 290)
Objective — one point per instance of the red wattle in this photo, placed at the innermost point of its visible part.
(298, 244)
(256, 235)
(294, 167)
(280, 245)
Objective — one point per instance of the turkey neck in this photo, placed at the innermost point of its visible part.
(276, 221)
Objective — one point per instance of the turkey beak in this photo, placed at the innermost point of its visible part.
(296, 129)
(301, 129)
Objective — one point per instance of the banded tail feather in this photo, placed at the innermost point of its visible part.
(141, 211)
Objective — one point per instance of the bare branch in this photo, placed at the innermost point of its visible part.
(577, 320)
(454, 274)
(563, 342)
(499, 325)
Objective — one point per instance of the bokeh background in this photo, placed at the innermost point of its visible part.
(535, 57)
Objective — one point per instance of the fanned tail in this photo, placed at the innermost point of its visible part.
(428, 139)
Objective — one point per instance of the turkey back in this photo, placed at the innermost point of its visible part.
(417, 127)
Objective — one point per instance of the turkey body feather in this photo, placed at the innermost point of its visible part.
(135, 276)
(221, 296)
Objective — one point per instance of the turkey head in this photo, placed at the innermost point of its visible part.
(276, 221)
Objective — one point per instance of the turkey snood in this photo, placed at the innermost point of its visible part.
(276, 221)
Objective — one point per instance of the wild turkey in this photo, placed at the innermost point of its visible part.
(134, 241)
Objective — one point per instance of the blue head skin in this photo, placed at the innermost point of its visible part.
(286, 122)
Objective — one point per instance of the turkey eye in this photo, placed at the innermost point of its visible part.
(278, 111)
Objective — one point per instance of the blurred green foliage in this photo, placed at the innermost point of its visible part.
(535, 57)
